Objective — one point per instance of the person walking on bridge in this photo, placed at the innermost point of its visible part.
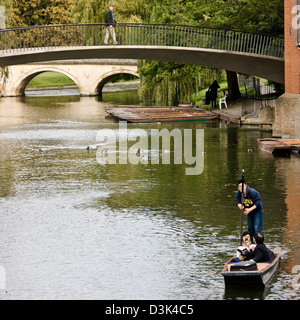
(110, 25)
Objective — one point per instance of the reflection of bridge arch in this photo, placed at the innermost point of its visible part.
(89, 75)
(100, 83)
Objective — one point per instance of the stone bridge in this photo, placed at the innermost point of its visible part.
(90, 76)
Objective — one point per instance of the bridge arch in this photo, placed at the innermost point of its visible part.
(22, 82)
(104, 78)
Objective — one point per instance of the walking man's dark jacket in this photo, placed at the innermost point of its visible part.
(109, 18)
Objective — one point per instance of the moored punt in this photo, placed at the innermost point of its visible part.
(274, 146)
(160, 114)
(295, 145)
(261, 276)
(295, 149)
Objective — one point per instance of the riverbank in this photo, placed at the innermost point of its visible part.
(258, 111)
(54, 80)
(50, 79)
(109, 87)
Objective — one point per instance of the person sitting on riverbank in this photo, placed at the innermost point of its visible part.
(246, 247)
(261, 253)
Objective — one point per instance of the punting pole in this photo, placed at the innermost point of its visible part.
(242, 203)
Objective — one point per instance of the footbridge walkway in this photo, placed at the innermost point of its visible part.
(250, 53)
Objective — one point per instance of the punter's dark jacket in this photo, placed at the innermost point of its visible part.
(109, 18)
(262, 254)
(251, 198)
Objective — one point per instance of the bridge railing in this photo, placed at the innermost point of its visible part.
(137, 34)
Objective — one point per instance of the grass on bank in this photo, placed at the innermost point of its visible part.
(199, 96)
(50, 79)
(55, 79)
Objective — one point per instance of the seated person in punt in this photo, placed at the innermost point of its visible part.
(261, 253)
(245, 249)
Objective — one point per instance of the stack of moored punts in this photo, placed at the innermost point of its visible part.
(279, 146)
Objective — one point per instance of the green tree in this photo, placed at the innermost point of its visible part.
(246, 15)
(9, 13)
(38, 12)
(93, 11)
(167, 83)
(173, 83)
(89, 11)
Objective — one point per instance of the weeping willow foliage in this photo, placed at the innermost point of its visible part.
(172, 83)
(4, 73)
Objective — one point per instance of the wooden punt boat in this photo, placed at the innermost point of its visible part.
(274, 146)
(144, 114)
(295, 145)
(265, 271)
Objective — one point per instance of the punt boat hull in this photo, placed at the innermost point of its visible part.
(261, 276)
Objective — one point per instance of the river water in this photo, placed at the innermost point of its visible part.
(72, 228)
